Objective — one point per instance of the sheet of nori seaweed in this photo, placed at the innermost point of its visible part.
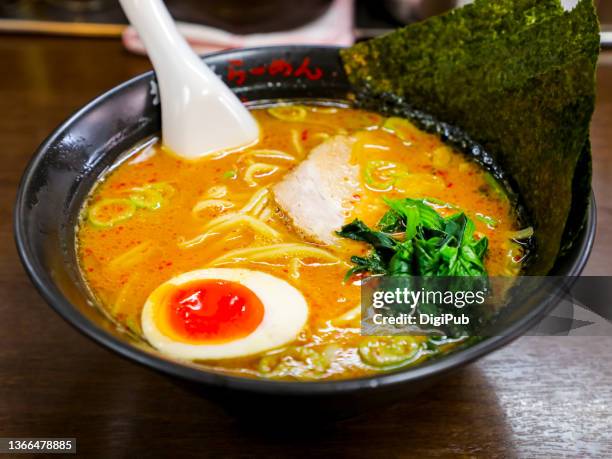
(519, 77)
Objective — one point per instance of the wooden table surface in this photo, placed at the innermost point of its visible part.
(539, 397)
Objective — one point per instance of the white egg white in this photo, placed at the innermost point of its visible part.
(285, 314)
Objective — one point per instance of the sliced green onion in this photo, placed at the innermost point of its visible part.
(382, 175)
(147, 198)
(132, 324)
(402, 128)
(495, 186)
(299, 361)
(489, 221)
(163, 188)
(522, 234)
(288, 112)
(108, 212)
(232, 174)
(388, 351)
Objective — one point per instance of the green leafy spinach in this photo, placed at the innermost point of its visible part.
(412, 239)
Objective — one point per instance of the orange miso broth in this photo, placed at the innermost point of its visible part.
(155, 217)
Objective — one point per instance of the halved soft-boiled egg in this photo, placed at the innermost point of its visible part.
(222, 313)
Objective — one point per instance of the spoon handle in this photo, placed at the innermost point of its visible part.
(200, 114)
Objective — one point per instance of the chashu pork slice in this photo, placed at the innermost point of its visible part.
(318, 195)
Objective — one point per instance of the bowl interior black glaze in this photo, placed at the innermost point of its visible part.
(69, 162)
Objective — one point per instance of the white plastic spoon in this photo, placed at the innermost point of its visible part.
(200, 114)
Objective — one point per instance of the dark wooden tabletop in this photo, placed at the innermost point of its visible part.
(538, 397)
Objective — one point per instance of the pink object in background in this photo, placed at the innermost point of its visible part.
(334, 27)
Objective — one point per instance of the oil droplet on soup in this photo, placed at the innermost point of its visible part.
(154, 217)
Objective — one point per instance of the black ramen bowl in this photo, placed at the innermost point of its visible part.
(69, 162)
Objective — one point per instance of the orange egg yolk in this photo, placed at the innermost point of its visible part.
(210, 311)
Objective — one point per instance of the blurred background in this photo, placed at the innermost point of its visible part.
(217, 24)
